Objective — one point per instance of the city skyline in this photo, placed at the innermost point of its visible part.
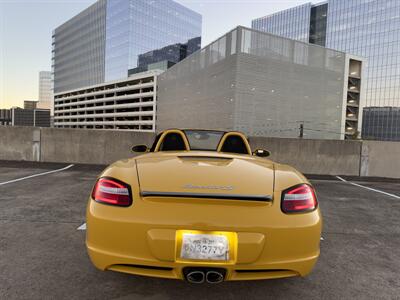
(20, 32)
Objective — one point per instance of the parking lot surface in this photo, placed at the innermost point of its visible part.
(43, 255)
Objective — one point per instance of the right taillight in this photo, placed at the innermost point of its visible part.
(112, 191)
(300, 198)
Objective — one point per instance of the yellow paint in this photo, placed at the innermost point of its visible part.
(148, 233)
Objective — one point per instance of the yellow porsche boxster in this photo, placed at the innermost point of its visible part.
(199, 205)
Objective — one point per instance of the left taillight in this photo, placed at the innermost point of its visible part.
(300, 198)
(112, 191)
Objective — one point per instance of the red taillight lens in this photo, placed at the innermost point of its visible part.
(112, 191)
(300, 198)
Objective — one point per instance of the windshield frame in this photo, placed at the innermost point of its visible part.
(219, 132)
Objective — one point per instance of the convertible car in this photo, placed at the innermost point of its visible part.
(199, 205)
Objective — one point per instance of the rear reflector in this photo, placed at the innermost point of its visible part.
(112, 191)
(300, 198)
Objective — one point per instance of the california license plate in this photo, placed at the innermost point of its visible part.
(205, 246)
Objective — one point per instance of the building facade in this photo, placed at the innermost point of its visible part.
(382, 123)
(293, 23)
(45, 91)
(264, 85)
(30, 104)
(128, 103)
(106, 40)
(370, 29)
(78, 49)
(5, 117)
(25, 117)
(165, 57)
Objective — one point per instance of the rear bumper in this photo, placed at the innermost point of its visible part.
(144, 239)
(174, 270)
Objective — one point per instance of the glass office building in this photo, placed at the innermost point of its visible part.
(381, 122)
(293, 23)
(370, 29)
(78, 49)
(165, 57)
(106, 40)
(135, 27)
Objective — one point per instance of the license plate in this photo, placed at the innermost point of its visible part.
(205, 246)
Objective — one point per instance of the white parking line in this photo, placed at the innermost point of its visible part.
(36, 175)
(82, 227)
(368, 188)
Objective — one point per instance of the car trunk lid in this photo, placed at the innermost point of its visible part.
(229, 177)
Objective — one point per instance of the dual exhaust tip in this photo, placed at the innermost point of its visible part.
(201, 276)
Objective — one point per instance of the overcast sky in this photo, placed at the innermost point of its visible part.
(26, 27)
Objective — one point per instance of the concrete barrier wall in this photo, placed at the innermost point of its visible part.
(19, 143)
(331, 157)
(89, 146)
(380, 159)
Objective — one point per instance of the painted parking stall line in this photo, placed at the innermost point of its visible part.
(368, 188)
(36, 175)
(82, 227)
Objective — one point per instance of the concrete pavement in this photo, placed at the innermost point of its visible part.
(43, 256)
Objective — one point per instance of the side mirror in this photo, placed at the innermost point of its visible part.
(139, 148)
(261, 153)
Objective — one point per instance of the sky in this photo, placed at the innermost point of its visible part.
(26, 27)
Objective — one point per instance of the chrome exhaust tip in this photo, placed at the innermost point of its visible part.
(196, 277)
(214, 277)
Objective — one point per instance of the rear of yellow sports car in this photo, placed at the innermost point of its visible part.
(203, 217)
